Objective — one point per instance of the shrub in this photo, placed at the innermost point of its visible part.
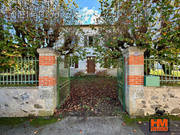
(102, 73)
(79, 74)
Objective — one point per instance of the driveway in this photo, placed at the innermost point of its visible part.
(92, 96)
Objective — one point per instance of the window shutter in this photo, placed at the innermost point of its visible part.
(90, 40)
(85, 40)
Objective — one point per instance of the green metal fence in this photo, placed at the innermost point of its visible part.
(63, 76)
(24, 71)
(168, 71)
(121, 81)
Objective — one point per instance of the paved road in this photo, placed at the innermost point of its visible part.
(76, 126)
(174, 129)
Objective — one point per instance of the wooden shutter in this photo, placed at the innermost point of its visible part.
(90, 40)
(85, 40)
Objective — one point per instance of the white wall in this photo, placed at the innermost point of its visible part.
(85, 30)
(82, 63)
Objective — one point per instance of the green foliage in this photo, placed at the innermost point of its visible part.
(36, 122)
(102, 73)
(12, 121)
(132, 121)
(174, 84)
(153, 25)
(72, 35)
(8, 46)
(23, 30)
(12, 42)
(41, 121)
(79, 74)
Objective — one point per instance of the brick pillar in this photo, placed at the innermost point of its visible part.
(134, 79)
(48, 78)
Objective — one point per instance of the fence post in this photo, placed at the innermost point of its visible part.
(48, 78)
(134, 79)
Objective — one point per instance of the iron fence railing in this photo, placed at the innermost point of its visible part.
(121, 81)
(24, 71)
(63, 80)
(168, 71)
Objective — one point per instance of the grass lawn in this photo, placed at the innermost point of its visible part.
(35, 122)
(131, 121)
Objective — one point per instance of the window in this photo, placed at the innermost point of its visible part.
(88, 40)
(74, 62)
(70, 41)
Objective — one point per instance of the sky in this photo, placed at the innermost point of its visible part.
(88, 11)
(91, 4)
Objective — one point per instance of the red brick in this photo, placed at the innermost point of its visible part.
(135, 80)
(47, 81)
(46, 60)
(136, 60)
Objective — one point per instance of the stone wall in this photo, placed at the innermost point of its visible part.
(141, 100)
(165, 98)
(27, 101)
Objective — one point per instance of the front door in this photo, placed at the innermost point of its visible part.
(90, 64)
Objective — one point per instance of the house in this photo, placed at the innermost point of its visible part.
(86, 38)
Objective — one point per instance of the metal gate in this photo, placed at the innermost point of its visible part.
(63, 80)
(121, 82)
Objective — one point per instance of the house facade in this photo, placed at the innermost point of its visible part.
(87, 39)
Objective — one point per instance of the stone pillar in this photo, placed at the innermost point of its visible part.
(48, 79)
(134, 79)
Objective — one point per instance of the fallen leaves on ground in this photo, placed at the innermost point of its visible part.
(97, 95)
(123, 124)
(35, 132)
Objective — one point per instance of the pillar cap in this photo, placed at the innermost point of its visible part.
(47, 51)
(133, 50)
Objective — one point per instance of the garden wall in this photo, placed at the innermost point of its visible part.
(27, 101)
(141, 100)
(165, 98)
(33, 101)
